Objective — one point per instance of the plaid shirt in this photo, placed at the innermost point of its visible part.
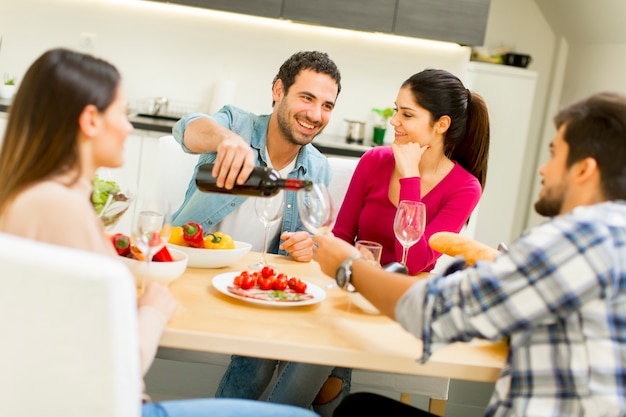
(559, 295)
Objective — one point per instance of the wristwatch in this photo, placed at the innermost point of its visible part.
(344, 273)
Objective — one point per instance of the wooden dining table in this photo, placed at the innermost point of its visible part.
(333, 331)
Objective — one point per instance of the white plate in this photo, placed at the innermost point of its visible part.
(222, 281)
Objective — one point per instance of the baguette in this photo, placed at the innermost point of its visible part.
(454, 244)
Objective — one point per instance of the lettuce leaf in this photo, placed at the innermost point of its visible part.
(101, 190)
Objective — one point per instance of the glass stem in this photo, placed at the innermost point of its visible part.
(144, 278)
(267, 231)
(405, 252)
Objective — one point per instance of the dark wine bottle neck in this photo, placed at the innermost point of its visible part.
(294, 184)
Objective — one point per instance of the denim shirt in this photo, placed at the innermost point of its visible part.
(208, 209)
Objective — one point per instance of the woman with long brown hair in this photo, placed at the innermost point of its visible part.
(68, 118)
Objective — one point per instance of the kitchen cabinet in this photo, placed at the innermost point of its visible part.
(265, 8)
(509, 93)
(459, 21)
(365, 15)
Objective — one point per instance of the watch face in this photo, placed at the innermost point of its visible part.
(342, 277)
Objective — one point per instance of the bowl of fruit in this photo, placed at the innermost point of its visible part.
(167, 264)
(211, 250)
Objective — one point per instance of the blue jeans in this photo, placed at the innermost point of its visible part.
(296, 384)
(221, 408)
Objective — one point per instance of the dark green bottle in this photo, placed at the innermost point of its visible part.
(262, 182)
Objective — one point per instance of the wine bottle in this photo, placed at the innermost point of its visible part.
(262, 182)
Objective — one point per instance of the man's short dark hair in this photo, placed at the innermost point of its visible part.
(596, 128)
(307, 60)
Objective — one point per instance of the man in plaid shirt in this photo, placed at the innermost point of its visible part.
(558, 295)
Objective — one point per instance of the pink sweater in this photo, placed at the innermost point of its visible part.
(367, 213)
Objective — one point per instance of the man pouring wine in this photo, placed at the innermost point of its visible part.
(303, 96)
(304, 93)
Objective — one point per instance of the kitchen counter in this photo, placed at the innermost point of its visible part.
(337, 146)
(152, 124)
(4, 105)
(327, 144)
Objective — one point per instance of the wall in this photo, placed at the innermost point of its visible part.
(520, 25)
(587, 68)
(181, 52)
(593, 68)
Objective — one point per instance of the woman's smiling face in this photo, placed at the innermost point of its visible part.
(412, 122)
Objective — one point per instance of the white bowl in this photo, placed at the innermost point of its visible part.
(163, 272)
(213, 258)
(361, 302)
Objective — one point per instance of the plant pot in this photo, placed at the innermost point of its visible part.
(7, 91)
(379, 135)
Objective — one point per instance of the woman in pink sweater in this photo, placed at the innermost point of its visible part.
(68, 118)
(439, 157)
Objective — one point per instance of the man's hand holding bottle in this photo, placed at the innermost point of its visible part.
(234, 161)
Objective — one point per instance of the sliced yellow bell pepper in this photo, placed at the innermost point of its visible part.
(176, 237)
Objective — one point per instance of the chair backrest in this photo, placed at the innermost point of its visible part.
(69, 333)
(178, 167)
(342, 170)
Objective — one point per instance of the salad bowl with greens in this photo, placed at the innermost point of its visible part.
(109, 201)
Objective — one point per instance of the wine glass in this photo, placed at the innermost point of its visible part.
(316, 209)
(409, 224)
(269, 210)
(111, 197)
(150, 230)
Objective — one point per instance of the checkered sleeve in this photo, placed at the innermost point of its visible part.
(543, 278)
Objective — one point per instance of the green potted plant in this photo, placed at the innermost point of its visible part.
(8, 87)
(380, 124)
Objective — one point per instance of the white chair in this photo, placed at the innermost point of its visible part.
(342, 170)
(176, 170)
(435, 389)
(69, 333)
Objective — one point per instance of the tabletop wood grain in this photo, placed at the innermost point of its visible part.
(332, 332)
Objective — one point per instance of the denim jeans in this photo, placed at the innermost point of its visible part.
(296, 384)
(327, 409)
(221, 408)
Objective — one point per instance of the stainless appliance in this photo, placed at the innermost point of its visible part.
(356, 131)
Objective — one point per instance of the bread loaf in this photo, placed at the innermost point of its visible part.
(454, 244)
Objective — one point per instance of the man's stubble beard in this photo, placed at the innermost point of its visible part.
(283, 119)
(551, 203)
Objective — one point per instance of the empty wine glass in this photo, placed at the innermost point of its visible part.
(269, 210)
(316, 209)
(150, 230)
(409, 225)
